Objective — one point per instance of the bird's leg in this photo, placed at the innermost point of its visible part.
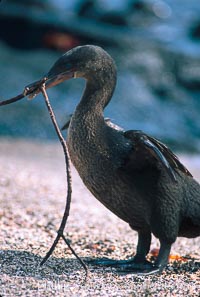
(142, 266)
(143, 246)
(137, 263)
(163, 256)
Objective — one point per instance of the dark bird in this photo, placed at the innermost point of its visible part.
(134, 175)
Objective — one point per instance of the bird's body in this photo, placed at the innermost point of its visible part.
(138, 190)
(134, 175)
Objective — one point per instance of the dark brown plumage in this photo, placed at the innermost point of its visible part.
(134, 175)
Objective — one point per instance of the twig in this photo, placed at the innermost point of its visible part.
(69, 188)
(14, 99)
(28, 90)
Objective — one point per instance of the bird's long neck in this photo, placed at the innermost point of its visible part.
(91, 101)
(87, 130)
(88, 117)
(97, 94)
(87, 126)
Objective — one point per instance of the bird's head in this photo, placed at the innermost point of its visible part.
(88, 61)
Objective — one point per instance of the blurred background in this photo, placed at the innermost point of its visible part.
(156, 46)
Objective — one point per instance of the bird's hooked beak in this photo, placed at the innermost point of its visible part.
(49, 81)
(56, 79)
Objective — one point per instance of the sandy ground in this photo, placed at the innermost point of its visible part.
(32, 200)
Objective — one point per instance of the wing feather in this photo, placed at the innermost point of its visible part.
(153, 147)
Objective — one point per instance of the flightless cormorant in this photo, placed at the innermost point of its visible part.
(133, 174)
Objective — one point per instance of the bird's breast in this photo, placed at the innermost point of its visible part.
(97, 158)
(88, 153)
(96, 152)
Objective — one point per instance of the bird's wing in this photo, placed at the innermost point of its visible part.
(171, 157)
(154, 148)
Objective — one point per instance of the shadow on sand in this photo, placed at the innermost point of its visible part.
(27, 264)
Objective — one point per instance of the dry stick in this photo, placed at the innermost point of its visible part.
(28, 90)
(14, 99)
(69, 188)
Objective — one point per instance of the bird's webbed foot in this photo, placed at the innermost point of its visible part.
(139, 268)
(127, 266)
(109, 262)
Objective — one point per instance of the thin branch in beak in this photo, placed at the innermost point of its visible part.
(12, 100)
(28, 90)
(35, 88)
